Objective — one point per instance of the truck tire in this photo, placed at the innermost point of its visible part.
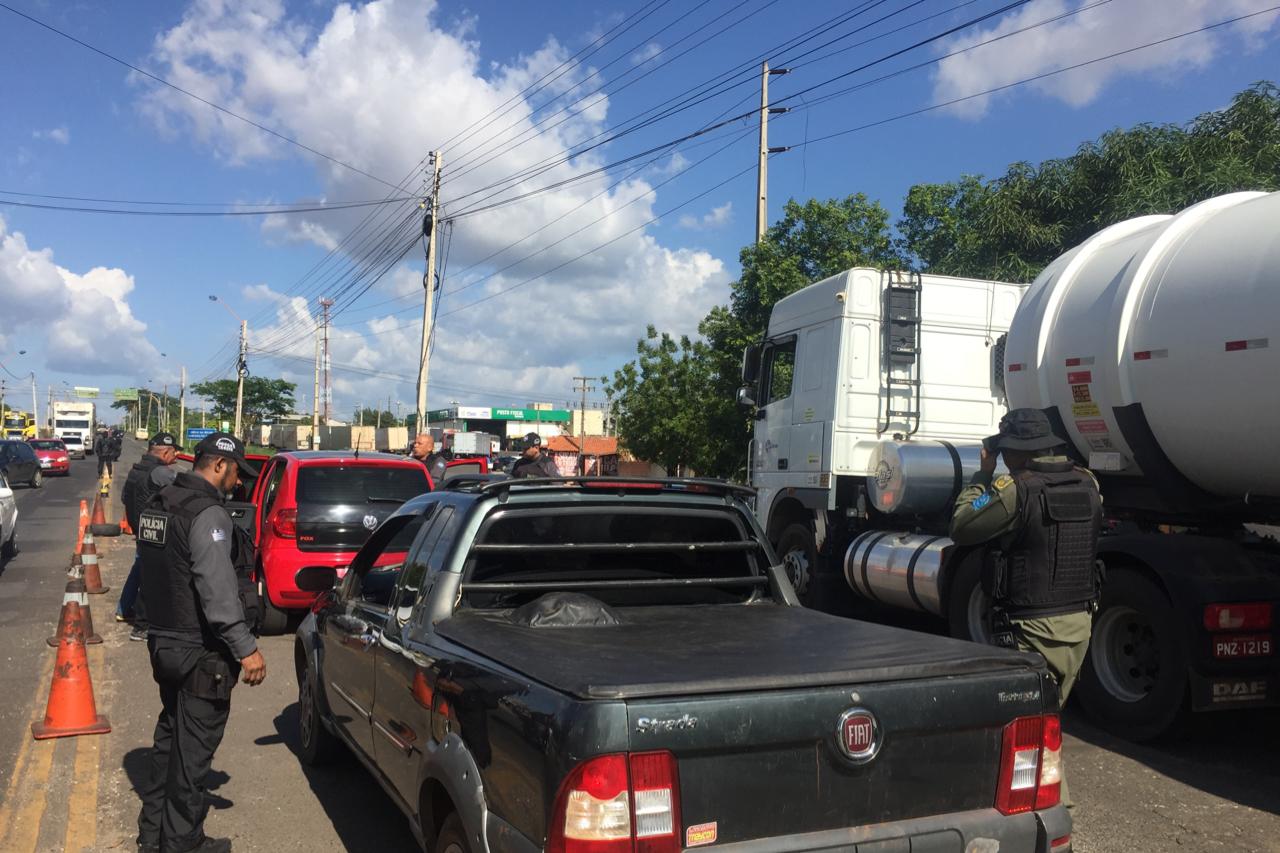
(452, 838)
(274, 620)
(317, 746)
(799, 555)
(1134, 679)
(968, 607)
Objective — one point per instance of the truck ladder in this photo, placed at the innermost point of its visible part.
(900, 318)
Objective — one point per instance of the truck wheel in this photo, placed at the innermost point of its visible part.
(799, 555)
(274, 620)
(968, 607)
(1134, 680)
(452, 839)
(317, 745)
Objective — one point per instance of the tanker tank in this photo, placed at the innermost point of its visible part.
(1156, 346)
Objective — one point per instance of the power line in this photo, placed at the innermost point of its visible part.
(191, 203)
(193, 95)
(119, 211)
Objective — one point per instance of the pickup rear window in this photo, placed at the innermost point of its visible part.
(358, 484)
(622, 557)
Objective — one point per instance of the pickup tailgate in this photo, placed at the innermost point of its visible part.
(750, 700)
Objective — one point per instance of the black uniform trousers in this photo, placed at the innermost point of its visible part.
(195, 691)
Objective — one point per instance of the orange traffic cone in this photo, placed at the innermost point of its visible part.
(71, 709)
(83, 525)
(125, 528)
(89, 557)
(75, 594)
(98, 521)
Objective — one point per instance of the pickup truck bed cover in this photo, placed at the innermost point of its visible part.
(666, 651)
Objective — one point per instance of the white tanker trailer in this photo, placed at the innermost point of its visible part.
(1154, 347)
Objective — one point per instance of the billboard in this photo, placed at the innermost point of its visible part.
(126, 394)
(86, 393)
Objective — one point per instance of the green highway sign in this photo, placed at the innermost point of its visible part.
(85, 393)
(129, 394)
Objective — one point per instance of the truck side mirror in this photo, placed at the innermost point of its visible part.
(747, 398)
(751, 364)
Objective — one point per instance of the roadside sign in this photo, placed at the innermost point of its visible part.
(198, 434)
(127, 394)
(226, 426)
(86, 393)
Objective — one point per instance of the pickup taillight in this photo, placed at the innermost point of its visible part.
(618, 804)
(1030, 765)
(285, 523)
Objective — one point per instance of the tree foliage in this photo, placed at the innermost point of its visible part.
(675, 403)
(263, 397)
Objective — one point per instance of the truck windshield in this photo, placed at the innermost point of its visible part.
(622, 557)
(65, 424)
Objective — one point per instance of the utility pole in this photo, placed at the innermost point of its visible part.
(584, 387)
(429, 227)
(164, 412)
(393, 423)
(324, 308)
(315, 399)
(182, 408)
(762, 169)
(242, 370)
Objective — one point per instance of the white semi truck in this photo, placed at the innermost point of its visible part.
(75, 422)
(1154, 347)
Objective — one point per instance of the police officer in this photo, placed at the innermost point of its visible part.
(200, 640)
(424, 450)
(148, 475)
(533, 462)
(1042, 520)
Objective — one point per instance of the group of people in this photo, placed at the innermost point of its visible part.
(533, 462)
(106, 446)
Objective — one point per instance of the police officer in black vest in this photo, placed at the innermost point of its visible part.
(195, 573)
(148, 475)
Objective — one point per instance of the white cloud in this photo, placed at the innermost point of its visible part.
(1087, 35)
(646, 53)
(374, 86)
(717, 217)
(60, 135)
(84, 320)
(291, 228)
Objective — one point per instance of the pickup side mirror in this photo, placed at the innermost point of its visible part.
(316, 578)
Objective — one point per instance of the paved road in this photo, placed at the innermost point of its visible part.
(1215, 789)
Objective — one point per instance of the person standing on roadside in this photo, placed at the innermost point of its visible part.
(424, 450)
(147, 476)
(110, 454)
(200, 642)
(533, 462)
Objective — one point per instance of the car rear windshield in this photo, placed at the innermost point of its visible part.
(48, 445)
(619, 556)
(348, 484)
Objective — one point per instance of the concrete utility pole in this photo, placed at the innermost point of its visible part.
(164, 411)
(325, 304)
(315, 399)
(429, 225)
(584, 387)
(182, 408)
(242, 370)
(762, 170)
(35, 412)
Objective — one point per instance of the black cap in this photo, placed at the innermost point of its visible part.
(163, 439)
(1025, 429)
(226, 445)
(532, 439)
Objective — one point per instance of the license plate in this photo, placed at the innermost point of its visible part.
(1242, 646)
(45, 463)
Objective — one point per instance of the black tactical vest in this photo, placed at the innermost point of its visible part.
(163, 531)
(1051, 563)
(137, 488)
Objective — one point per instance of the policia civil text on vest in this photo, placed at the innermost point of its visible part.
(201, 607)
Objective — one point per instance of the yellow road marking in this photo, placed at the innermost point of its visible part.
(30, 747)
(82, 805)
(26, 823)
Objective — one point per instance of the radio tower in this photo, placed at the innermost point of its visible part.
(325, 304)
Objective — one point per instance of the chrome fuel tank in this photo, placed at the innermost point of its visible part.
(898, 568)
(921, 477)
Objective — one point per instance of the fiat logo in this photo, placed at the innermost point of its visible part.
(858, 735)
(370, 521)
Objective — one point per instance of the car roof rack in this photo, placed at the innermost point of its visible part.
(685, 484)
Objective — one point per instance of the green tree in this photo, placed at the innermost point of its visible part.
(374, 417)
(263, 397)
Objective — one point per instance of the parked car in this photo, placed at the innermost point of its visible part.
(52, 455)
(317, 507)
(602, 665)
(19, 464)
(8, 520)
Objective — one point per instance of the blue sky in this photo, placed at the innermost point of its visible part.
(95, 299)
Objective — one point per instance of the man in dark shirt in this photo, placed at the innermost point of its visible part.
(533, 463)
(424, 450)
(147, 476)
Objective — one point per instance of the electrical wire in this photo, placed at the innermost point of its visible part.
(188, 213)
(192, 203)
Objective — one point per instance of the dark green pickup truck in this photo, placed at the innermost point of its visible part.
(599, 666)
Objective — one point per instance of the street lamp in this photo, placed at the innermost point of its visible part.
(242, 369)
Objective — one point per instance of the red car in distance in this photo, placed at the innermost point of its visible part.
(52, 454)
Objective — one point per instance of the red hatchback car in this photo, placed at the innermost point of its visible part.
(316, 508)
(52, 454)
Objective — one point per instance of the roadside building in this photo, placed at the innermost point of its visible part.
(600, 454)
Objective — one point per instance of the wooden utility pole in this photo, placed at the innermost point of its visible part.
(182, 409)
(325, 304)
(242, 370)
(315, 398)
(430, 227)
(584, 387)
(762, 169)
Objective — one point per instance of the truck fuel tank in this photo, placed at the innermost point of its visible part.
(921, 477)
(897, 568)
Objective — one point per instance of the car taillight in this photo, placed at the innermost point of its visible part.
(285, 523)
(1030, 765)
(1254, 616)
(618, 803)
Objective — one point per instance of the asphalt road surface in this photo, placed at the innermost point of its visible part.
(1215, 788)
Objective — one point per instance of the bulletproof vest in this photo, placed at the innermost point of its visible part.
(1051, 563)
(138, 488)
(164, 528)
